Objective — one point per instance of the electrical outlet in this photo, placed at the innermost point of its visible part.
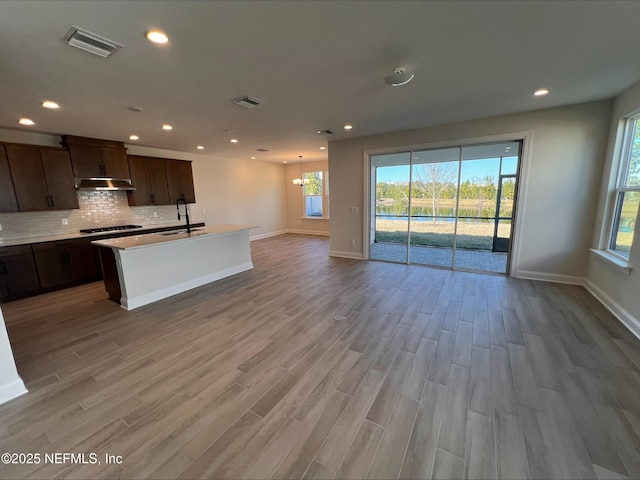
(353, 241)
(204, 210)
(65, 221)
(354, 209)
(0, 227)
(155, 214)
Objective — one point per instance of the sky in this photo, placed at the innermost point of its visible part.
(470, 168)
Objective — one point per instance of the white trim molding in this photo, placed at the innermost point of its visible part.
(628, 320)
(308, 232)
(548, 277)
(352, 255)
(268, 235)
(11, 390)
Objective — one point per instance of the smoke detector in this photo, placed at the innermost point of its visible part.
(91, 42)
(398, 78)
(247, 102)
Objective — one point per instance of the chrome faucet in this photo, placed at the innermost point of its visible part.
(186, 212)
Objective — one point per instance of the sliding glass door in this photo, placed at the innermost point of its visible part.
(434, 183)
(450, 208)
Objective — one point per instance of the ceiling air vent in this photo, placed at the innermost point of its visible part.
(326, 132)
(247, 102)
(90, 42)
(262, 149)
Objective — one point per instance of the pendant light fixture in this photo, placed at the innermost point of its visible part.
(301, 182)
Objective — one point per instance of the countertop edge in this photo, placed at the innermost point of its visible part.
(134, 242)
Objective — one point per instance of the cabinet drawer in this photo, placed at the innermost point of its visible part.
(15, 250)
(61, 244)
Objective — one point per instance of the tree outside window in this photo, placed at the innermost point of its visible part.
(625, 214)
(313, 194)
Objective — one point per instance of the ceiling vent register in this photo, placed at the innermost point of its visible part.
(247, 102)
(90, 42)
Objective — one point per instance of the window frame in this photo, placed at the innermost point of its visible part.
(621, 187)
(325, 196)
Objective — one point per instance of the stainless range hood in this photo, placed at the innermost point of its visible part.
(103, 184)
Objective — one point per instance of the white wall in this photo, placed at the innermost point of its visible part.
(11, 384)
(619, 290)
(566, 155)
(233, 191)
(295, 204)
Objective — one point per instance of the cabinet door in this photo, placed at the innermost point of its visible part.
(180, 181)
(85, 160)
(186, 182)
(19, 275)
(173, 180)
(57, 170)
(114, 161)
(140, 179)
(83, 263)
(53, 267)
(8, 202)
(28, 178)
(158, 181)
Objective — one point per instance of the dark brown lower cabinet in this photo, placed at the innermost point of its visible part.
(18, 275)
(65, 263)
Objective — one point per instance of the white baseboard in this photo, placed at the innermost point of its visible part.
(548, 277)
(308, 232)
(135, 302)
(11, 390)
(628, 320)
(268, 235)
(354, 256)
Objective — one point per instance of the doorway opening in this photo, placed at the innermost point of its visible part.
(449, 207)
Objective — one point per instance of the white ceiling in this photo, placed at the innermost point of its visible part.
(316, 65)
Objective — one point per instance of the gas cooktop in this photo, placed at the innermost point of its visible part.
(110, 229)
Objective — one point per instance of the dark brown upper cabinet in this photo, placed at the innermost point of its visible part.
(42, 178)
(8, 202)
(180, 181)
(149, 176)
(94, 158)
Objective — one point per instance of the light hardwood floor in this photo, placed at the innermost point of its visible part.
(432, 374)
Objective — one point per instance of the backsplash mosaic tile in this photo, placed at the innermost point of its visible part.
(97, 209)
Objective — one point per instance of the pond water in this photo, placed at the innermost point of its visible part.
(444, 214)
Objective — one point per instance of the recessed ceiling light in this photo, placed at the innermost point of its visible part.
(134, 137)
(167, 127)
(348, 127)
(50, 104)
(200, 147)
(323, 148)
(157, 36)
(26, 121)
(234, 140)
(253, 158)
(541, 92)
(284, 161)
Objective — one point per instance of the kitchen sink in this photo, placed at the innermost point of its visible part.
(176, 232)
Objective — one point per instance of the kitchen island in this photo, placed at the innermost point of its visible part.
(142, 269)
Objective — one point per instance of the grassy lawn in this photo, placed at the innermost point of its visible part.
(476, 236)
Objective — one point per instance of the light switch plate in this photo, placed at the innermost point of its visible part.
(65, 221)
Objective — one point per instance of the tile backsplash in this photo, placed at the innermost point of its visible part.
(97, 209)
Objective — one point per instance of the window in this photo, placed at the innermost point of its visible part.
(315, 194)
(625, 213)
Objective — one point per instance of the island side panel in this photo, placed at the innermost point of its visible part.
(110, 273)
(151, 273)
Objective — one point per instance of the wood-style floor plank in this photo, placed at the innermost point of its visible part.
(432, 374)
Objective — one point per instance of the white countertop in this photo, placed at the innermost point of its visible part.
(69, 236)
(149, 239)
